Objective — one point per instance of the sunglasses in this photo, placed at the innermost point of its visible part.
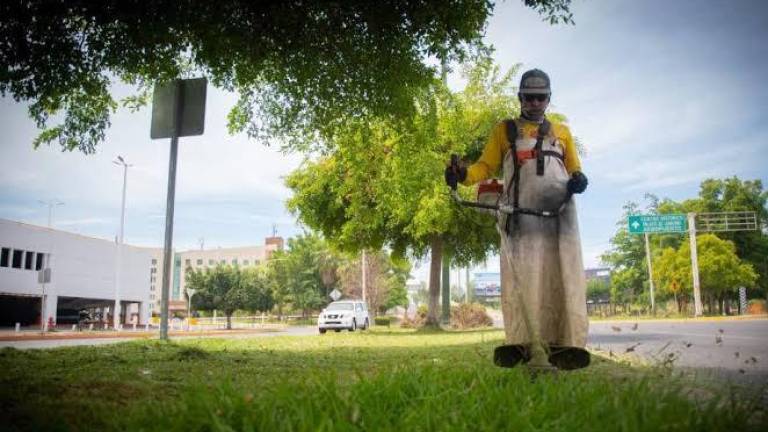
(537, 97)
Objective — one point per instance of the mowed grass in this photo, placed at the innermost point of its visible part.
(378, 380)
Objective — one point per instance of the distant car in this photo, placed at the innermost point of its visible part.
(344, 314)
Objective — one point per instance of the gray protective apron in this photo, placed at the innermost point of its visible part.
(541, 256)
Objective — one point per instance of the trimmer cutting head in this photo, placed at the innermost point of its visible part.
(561, 357)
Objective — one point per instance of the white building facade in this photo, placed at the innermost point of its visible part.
(83, 276)
(242, 257)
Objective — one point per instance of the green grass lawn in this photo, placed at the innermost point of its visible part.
(380, 380)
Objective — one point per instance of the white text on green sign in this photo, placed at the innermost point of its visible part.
(644, 224)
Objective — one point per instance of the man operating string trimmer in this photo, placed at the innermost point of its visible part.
(542, 275)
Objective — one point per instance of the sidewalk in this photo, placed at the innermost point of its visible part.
(29, 335)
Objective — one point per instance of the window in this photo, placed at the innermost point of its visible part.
(223, 262)
(29, 259)
(210, 262)
(199, 262)
(40, 261)
(4, 257)
(154, 261)
(187, 263)
(17, 259)
(234, 261)
(245, 262)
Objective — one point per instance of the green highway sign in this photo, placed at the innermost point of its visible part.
(646, 224)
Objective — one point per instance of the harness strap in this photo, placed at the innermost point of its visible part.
(543, 132)
(514, 183)
(524, 155)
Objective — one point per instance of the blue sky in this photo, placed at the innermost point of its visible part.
(662, 93)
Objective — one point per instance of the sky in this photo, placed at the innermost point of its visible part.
(663, 94)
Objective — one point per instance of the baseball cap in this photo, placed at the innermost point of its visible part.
(535, 81)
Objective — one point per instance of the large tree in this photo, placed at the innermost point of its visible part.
(218, 289)
(721, 271)
(299, 66)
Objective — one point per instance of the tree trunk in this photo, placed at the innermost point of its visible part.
(229, 320)
(435, 268)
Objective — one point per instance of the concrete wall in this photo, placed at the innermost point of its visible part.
(80, 266)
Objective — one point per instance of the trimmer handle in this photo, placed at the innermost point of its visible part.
(454, 167)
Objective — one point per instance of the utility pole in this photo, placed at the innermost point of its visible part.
(121, 237)
(363, 288)
(467, 276)
(46, 272)
(698, 310)
(650, 273)
(51, 204)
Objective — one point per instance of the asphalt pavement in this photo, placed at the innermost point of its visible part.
(733, 349)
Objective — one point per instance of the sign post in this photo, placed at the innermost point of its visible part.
(697, 307)
(178, 109)
(679, 223)
(647, 224)
(650, 273)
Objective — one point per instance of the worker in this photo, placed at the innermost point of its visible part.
(541, 262)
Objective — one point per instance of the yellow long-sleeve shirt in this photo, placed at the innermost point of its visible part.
(497, 147)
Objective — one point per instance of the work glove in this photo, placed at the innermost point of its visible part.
(455, 173)
(578, 183)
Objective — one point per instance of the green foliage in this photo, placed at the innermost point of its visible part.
(627, 260)
(385, 280)
(384, 183)
(382, 321)
(228, 289)
(470, 315)
(299, 273)
(598, 289)
(299, 66)
(720, 269)
(727, 195)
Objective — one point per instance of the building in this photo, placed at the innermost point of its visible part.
(84, 272)
(83, 275)
(600, 273)
(183, 262)
(487, 284)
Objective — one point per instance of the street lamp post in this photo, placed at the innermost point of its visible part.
(190, 293)
(118, 266)
(47, 262)
(51, 204)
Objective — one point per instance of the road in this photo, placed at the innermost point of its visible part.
(55, 343)
(733, 349)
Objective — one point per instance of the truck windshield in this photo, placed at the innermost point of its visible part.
(340, 306)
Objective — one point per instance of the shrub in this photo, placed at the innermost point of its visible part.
(756, 307)
(470, 315)
(382, 321)
(416, 321)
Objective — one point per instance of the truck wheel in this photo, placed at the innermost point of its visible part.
(322, 331)
(354, 326)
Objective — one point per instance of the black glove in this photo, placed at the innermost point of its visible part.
(578, 183)
(455, 173)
